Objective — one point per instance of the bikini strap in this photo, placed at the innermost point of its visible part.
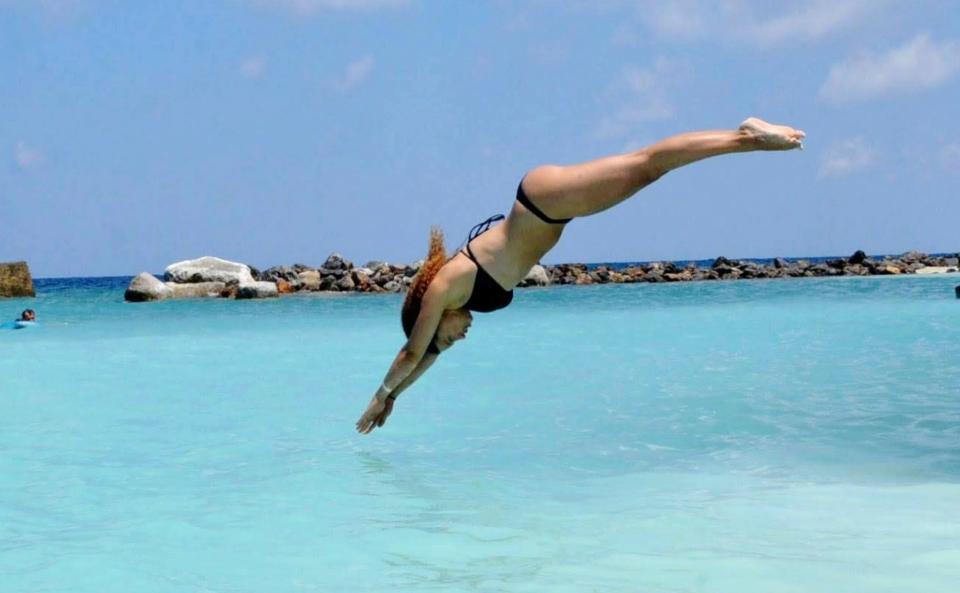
(523, 199)
(479, 229)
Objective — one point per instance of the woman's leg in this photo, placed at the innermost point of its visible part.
(588, 188)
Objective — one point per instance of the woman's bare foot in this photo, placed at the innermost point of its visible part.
(772, 137)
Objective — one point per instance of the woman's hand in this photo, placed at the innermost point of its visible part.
(376, 415)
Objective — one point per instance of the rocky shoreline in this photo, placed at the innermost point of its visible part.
(218, 278)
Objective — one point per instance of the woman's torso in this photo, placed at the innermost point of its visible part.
(508, 251)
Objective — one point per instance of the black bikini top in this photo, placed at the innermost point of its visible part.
(487, 294)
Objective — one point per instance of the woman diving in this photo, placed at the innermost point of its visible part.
(481, 277)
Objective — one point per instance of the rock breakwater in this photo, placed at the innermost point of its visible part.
(219, 278)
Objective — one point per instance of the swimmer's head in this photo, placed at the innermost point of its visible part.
(436, 257)
(28, 315)
(453, 327)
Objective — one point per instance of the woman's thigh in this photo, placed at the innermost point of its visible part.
(587, 188)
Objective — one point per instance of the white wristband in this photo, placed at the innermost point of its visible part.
(386, 389)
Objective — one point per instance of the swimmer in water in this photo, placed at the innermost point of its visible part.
(481, 277)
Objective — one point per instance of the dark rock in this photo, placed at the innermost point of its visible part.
(780, 263)
(336, 262)
(15, 280)
(836, 264)
(733, 274)
(913, 257)
(328, 283)
(361, 280)
(276, 273)
(257, 290)
(957, 291)
(654, 276)
(724, 269)
(346, 284)
(752, 270)
(721, 261)
(820, 270)
(858, 257)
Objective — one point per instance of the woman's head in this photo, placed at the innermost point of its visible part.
(454, 323)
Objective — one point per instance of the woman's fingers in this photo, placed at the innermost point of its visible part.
(365, 424)
(375, 416)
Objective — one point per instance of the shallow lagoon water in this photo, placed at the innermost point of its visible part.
(775, 436)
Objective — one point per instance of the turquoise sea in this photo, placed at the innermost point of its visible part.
(748, 436)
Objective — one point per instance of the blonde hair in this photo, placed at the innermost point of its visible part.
(436, 257)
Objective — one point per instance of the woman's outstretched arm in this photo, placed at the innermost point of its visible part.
(376, 415)
(408, 360)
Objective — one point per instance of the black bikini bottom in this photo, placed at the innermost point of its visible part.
(523, 199)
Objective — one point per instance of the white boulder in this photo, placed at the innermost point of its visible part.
(208, 269)
(196, 290)
(537, 276)
(937, 270)
(146, 287)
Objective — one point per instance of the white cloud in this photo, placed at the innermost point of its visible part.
(752, 21)
(920, 64)
(27, 157)
(253, 67)
(813, 21)
(844, 158)
(311, 7)
(640, 95)
(356, 73)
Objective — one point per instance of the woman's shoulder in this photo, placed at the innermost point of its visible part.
(454, 282)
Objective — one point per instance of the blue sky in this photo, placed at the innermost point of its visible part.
(135, 134)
